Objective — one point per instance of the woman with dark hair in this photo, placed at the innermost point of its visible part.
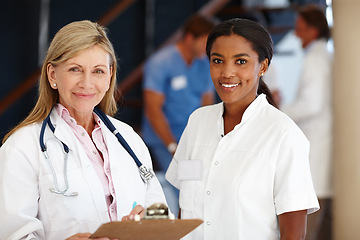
(242, 165)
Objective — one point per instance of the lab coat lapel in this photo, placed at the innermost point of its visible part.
(64, 133)
(124, 171)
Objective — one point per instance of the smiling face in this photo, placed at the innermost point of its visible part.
(82, 81)
(235, 70)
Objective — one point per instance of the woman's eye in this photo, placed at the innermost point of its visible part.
(98, 71)
(74, 69)
(241, 61)
(217, 61)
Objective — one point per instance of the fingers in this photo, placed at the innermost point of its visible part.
(127, 218)
(138, 210)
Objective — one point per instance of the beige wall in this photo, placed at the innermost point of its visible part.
(346, 33)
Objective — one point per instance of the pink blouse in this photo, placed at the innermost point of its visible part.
(96, 150)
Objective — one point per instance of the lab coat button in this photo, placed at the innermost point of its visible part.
(216, 163)
(208, 192)
(208, 223)
(83, 134)
(94, 152)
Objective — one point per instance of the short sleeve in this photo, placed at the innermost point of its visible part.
(154, 75)
(293, 187)
(172, 172)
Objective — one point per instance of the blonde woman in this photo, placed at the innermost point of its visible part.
(63, 172)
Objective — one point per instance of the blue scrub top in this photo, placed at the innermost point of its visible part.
(183, 87)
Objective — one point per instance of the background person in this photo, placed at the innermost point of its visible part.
(78, 74)
(312, 111)
(242, 165)
(176, 82)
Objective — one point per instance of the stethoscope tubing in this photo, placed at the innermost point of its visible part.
(57, 189)
(145, 173)
(112, 128)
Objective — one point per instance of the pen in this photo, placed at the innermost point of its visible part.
(134, 204)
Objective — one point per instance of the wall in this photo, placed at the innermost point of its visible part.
(19, 21)
(347, 125)
(18, 59)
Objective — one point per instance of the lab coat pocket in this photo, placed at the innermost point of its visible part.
(186, 197)
(190, 170)
(67, 211)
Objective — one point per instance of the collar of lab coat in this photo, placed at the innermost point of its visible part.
(314, 43)
(64, 133)
(249, 112)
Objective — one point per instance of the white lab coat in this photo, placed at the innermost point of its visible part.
(30, 211)
(239, 183)
(312, 111)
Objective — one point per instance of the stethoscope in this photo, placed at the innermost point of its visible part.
(145, 173)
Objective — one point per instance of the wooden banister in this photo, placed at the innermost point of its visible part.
(32, 80)
(114, 12)
(24, 87)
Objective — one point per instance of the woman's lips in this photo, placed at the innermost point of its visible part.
(229, 85)
(84, 95)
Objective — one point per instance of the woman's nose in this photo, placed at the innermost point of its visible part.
(86, 80)
(228, 71)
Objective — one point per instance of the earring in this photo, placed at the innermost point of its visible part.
(261, 74)
(54, 84)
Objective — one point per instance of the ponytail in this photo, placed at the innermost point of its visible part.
(263, 88)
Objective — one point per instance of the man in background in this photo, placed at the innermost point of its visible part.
(176, 82)
(312, 111)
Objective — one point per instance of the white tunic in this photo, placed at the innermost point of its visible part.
(28, 210)
(239, 183)
(312, 112)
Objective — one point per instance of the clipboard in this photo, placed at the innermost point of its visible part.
(160, 229)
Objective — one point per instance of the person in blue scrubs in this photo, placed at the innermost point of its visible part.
(176, 82)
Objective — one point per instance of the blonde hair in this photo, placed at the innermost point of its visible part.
(67, 43)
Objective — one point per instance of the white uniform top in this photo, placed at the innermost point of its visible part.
(28, 210)
(312, 112)
(239, 183)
